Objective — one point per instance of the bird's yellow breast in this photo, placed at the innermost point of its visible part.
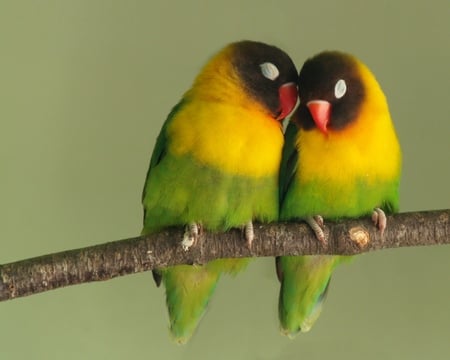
(235, 139)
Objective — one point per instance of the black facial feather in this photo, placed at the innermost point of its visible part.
(248, 56)
(317, 80)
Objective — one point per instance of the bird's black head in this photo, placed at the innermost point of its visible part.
(330, 77)
(268, 75)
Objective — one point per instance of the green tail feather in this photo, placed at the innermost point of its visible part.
(188, 290)
(304, 284)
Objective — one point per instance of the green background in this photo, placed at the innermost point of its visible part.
(84, 89)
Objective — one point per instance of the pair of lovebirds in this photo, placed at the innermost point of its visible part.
(222, 161)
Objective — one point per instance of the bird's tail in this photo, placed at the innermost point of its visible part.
(188, 290)
(304, 285)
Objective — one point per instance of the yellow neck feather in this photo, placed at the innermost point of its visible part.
(233, 139)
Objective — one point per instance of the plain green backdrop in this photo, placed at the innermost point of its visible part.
(84, 89)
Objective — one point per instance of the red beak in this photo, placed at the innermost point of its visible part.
(320, 111)
(288, 94)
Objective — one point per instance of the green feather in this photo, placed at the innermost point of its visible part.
(306, 278)
(180, 190)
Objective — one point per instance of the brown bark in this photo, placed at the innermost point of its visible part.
(128, 256)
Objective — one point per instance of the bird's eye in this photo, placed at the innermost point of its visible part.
(269, 70)
(340, 88)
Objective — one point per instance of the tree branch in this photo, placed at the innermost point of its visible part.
(122, 257)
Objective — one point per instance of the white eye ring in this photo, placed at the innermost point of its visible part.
(269, 70)
(340, 88)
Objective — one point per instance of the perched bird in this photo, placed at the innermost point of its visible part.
(215, 165)
(341, 159)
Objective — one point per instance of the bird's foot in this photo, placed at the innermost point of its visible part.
(379, 219)
(191, 235)
(249, 233)
(316, 224)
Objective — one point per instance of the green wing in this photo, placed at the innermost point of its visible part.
(160, 149)
(289, 160)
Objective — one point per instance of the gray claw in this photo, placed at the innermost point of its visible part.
(319, 220)
(191, 234)
(316, 224)
(379, 219)
(249, 233)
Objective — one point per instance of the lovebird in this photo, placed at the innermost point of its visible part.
(341, 159)
(215, 166)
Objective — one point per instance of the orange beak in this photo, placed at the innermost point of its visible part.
(320, 111)
(288, 94)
